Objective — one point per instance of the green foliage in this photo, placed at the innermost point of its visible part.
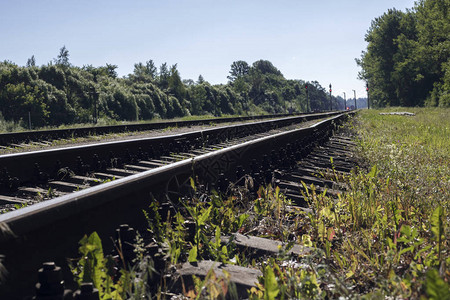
(63, 57)
(239, 69)
(435, 287)
(287, 281)
(387, 236)
(144, 73)
(60, 93)
(391, 227)
(8, 126)
(271, 289)
(405, 62)
(437, 228)
(193, 254)
(212, 287)
(94, 267)
(92, 260)
(208, 220)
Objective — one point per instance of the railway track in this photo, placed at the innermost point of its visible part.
(153, 168)
(27, 178)
(26, 139)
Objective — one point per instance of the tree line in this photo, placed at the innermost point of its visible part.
(407, 61)
(60, 93)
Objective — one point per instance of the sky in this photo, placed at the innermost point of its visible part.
(307, 40)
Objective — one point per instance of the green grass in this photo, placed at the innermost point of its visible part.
(8, 126)
(413, 151)
(388, 236)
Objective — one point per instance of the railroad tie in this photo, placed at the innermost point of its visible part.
(11, 200)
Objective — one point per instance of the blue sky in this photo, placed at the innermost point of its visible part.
(309, 40)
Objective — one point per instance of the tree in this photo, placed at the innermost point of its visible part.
(60, 93)
(164, 76)
(18, 100)
(200, 79)
(111, 70)
(146, 73)
(188, 82)
(388, 63)
(108, 70)
(175, 85)
(198, 99)
(407, 60)
(239, 69)
(151, 69)
(63, 57)
(433, 26)
(31, 62)
(265, 67)
(288, 96)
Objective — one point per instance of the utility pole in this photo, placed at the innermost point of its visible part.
(331, 100)
(354, 93)
(345, 102)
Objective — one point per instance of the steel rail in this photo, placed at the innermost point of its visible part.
(7, 139)
(20, 165)
(50, 230)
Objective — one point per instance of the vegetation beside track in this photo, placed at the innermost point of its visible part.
(61, 93)
(387, 237)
